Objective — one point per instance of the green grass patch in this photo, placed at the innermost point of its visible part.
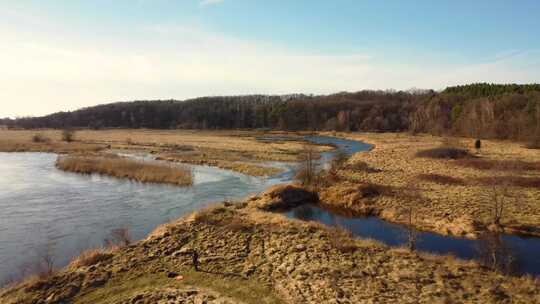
(127, 286)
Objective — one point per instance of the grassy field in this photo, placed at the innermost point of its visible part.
(233, 150)
(250, 256)
(144, 172)
(448, 196)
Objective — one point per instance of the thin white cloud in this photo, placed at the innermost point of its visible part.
(210, 2)
(41, 74)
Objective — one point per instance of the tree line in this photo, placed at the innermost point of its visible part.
(478, 110)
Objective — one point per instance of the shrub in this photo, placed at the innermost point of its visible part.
(39, 138)
(441, 179)
(68, 135)
(444, 153)
(478, 144)
(307, 174)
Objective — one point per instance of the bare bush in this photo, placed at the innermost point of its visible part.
(411, 194)
(495, 254)
(40, 138)
(499, 195)
(68, 135)
(307, 174)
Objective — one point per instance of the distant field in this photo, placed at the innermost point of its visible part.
(234, 150)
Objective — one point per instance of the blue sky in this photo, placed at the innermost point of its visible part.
(62, 55)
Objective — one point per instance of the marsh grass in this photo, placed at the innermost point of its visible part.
(444, 153)
(499, 165)
(144, 172)
(342, 239)
(441, 179)
(92, 257)
(516, 181)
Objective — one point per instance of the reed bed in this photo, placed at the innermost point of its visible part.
(144, 172)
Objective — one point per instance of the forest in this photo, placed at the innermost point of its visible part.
(508, 111)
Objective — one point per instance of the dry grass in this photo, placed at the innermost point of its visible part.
(240, 151)
(91, 257)
(444, 153)
(515, 181)
(234, 163)
(441, 179)
(342, 239)
(126, 168)
(454, 194)
(499, 165)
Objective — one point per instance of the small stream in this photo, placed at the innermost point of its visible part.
(524, 252)
(41, 206)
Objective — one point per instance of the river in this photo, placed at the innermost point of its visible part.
(41, 206)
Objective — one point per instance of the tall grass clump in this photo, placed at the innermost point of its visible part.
(144, 172)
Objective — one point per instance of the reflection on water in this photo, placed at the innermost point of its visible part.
(505, 252)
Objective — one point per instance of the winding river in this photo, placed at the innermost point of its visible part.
(41, 207)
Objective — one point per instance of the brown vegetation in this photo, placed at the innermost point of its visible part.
(444, 153)
(275, 261)
(441, 179)
(68, 135)
(456, 194)
(499, 165)
(39, 138)
(91, 257)
(515, 181)
(145, 172)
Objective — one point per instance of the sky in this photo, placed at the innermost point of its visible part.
(61, 55)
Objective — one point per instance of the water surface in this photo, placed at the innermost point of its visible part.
(41, 205)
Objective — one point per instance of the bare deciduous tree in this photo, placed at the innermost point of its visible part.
(307, 171)
(411, 194)
(495, 254)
